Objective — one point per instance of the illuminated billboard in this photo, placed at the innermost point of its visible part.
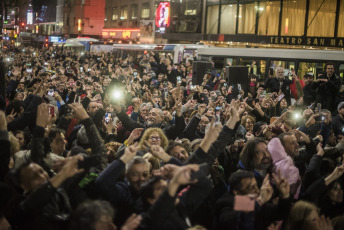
(29, 18)
(162, 18)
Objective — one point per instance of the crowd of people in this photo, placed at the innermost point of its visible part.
(93, 141)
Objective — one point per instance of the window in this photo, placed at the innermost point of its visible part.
(286, 65)
(268, 18)
(321, 18)
(192, 7)
(306, 67)
(228, 18)
(341, 70)
(145, 10)
(134, 11)
(341, 20)
(212, 19)
(257, 67)
(124, 12)
(114, 13)
(247, 18)
(293, 17)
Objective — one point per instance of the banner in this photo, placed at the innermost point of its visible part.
(147, 29)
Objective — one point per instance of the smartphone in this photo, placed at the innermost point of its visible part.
(51, 93)
(52, 110)
(89, 162)
(280, 97)
(320, 118)
(218, 108)
(29, 70)
(135, 74)
(243, 203)
(179, 79)
(165, 92)
(271, 71)
(108, 117)
(202, 172)
(239, 87)
(225, 84)
(319, 107)
(71, 83)
(81, 69)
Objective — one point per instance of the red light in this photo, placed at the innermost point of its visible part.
(46, 45)
(46, 40)
(23, 24)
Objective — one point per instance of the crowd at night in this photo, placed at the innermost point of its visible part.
(92, 141)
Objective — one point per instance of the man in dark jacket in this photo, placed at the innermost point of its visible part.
(328, 86)
(309, 90)
(280, 84)
(45, 205)
(263, 212)
(124, 196)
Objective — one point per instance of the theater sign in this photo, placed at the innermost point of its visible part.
(309, 41)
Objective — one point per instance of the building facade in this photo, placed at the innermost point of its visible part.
(247, 22)
(80, 17)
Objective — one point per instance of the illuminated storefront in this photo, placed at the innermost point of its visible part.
(121, 33)
(276, 23)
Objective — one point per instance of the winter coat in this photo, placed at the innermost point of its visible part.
(285, 164)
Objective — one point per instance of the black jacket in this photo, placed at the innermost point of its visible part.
(120, 194)
(260, 218)
(327, 92)
(165, 214)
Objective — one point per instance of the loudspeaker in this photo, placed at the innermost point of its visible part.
(199, 68)
(237, 75)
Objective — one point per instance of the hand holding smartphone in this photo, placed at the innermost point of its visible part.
(202, 172)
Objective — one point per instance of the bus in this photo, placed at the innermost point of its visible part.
(178, 52)
(260, 60)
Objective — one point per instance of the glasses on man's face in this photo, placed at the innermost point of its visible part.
(155, 138)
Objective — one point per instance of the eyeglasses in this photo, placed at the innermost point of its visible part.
(155, 138)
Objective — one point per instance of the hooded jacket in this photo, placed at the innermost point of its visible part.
(281, 161)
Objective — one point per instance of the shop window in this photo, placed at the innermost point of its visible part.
(255, 66)
(286, 65)
(341, 70)
(293, 17)
(310, 67)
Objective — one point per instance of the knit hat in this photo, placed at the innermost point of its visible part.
(340, 105)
